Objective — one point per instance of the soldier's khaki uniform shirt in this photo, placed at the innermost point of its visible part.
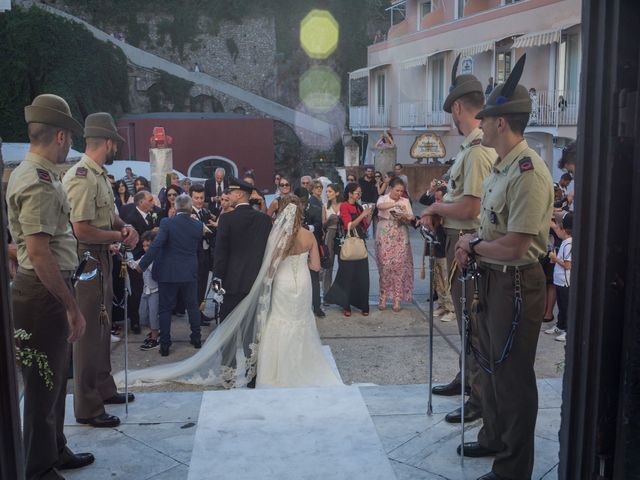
(90, 194)
(472, 165)
(518, 197)
(37, 203)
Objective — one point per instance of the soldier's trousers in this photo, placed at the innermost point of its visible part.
(510, 395)
(41, 314)
(472, 370)
(92, 380)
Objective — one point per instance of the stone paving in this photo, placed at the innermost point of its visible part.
(384, 357)
(156, 439)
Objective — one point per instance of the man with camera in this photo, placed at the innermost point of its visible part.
(96, 226)
(205, 247)
(459, 211)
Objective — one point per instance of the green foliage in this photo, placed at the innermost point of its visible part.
(27, 356)
(169, 93)
(43, 53)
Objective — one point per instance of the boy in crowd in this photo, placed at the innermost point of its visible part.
(562, 275)
(150, 300)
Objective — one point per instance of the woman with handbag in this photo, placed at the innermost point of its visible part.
(351, 287)
(393, 250)
(330, 220)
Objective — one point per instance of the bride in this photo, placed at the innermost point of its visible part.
(272, 332)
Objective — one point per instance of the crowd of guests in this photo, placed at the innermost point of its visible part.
(376, 205)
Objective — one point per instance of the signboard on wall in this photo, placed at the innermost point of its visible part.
(466, 66)
(428, 145)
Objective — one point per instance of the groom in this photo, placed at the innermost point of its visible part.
(241, 240)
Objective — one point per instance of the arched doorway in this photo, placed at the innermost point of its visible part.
(205, 167)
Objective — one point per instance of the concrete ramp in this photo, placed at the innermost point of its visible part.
(287, 433)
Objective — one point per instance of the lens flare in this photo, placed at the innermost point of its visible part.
(319, 34)
(319, 89)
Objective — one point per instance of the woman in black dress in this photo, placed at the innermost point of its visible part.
(351, 286)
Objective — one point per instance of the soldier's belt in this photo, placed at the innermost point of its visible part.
(66, 274)
(506, 268)
(458, 231)
(96, 247)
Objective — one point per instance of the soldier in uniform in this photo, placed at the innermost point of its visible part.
(516, 207)
(42, 293)
(96, 226)
(459, 212)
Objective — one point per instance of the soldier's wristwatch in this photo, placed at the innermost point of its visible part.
(472, 244)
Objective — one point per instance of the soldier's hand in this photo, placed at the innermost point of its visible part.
(77, 324)
(428, 221)
(463, 243)
(462, 257)
(130, 237)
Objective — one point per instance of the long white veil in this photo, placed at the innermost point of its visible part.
(229, 356)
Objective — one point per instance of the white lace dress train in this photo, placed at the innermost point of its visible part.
(290, 352)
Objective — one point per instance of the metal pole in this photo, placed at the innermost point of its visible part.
(463, 349)
(127, 289)
(430, 404)
(430, 240)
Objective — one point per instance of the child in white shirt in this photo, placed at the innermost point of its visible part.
(562, 274)
(150, 299)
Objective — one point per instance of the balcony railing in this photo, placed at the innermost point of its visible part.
(380, 116)
(422, 114)
(554, 108)
(365, 117)
(358, 117)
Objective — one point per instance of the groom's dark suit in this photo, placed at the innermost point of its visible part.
(241, 240)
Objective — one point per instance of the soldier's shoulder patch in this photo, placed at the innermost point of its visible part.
(477, 141)
(525, 164)
(81, 172)
(43, 175)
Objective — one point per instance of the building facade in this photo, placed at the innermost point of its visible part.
(408, 73)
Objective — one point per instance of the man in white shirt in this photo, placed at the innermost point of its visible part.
(214, 187)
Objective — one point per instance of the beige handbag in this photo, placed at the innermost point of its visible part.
(353, 247)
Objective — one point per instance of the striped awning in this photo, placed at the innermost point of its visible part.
(364, 72)
(361, 73)
(420, 61)
(472, 50)
(537, 39)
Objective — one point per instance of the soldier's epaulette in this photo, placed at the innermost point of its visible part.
(477, 141)
(81, 172)
(43, 175)
(525, 164)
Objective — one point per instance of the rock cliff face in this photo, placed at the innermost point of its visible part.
(253, 46)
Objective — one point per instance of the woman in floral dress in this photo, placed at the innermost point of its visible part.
(393, 250)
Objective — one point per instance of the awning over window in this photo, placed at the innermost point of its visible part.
(420, 61)
(472, 50)
(537, 39)
(361, 73)
(364, 72)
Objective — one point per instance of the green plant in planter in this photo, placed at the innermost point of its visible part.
(27, 356)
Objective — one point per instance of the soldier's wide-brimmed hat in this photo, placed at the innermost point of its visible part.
(460, 85)
(508, 97)
(52, 110)
(237, 184)
(101, 125)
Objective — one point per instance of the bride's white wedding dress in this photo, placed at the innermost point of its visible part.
(272, 330)
(290, 353)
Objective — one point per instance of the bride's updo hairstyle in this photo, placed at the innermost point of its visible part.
(297, 223)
